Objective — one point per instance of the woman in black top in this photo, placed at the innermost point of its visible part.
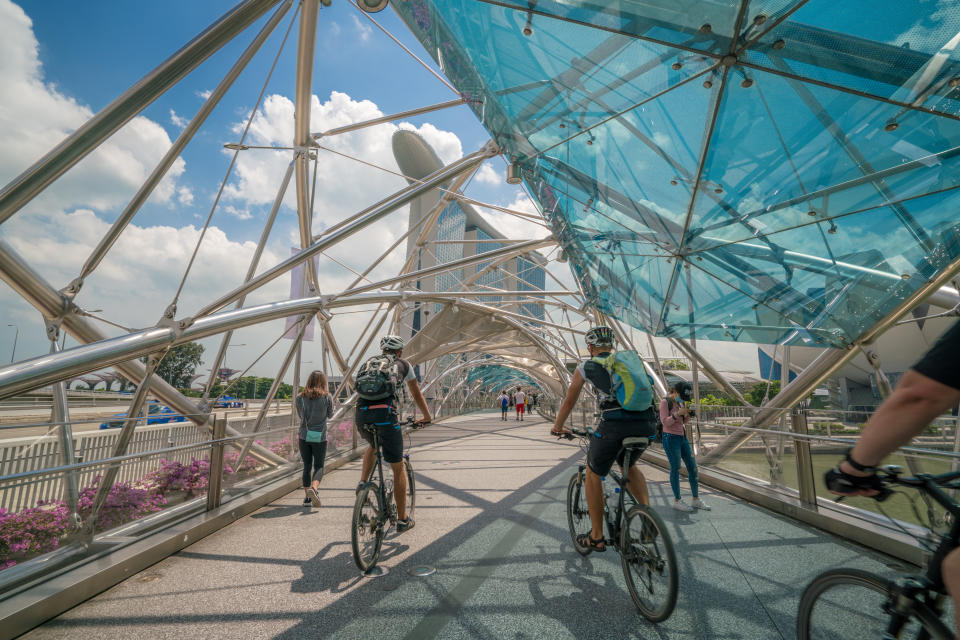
(314, 407)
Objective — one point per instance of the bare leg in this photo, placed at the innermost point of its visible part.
(950, 568)
(594, 491)
(637, 485)
(400, 488)
(367, 467)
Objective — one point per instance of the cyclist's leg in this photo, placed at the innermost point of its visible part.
(593, 488)
(367, 467)
(600, 457)
(637, 483)
(686, 452)
(950, 570)
(391, 443)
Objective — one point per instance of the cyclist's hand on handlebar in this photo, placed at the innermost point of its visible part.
(842, 483)
(561, 433)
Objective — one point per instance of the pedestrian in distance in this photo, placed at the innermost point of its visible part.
(519, 398)
(674, 415)
(504, 401)
(314, 407)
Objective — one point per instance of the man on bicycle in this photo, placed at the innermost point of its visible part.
(615, 425)
(387, 424)
(925, 391)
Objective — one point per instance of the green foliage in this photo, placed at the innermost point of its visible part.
(675, 364)
(718, 400)
(756, 393)
(180, 363)
(253, 387)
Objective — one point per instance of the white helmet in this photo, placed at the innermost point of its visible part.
(391, 343)
(599, 336)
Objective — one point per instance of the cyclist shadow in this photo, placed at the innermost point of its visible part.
(283, 511)
(592, 591)
(338, 573)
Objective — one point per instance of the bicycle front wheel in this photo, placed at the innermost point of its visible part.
(578, 516)
(649, 563)
(411, 489)
(367, 531)
(850, 603)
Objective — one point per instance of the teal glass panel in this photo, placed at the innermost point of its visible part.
(810, 181)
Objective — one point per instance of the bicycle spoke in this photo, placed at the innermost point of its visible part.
(649, 563)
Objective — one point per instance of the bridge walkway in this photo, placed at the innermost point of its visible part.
(490, 518)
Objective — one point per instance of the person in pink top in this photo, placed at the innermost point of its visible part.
(674, 415)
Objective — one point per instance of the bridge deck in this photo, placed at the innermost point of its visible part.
(490, 517)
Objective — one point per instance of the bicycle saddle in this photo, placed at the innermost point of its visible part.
(636, 443)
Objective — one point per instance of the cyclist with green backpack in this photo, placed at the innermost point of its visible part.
(625, 398)
(379, 384)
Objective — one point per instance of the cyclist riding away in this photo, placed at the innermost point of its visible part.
(925, 391)
(615, 424)
(382, 412)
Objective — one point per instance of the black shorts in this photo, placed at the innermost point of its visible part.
(940, 363)
(391, 440)
(606, 445)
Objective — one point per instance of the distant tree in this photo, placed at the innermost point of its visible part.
(756, 393)
(180, 363)
(675, 364)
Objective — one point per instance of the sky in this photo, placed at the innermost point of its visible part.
(61, 63)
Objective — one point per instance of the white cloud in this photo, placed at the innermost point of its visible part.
(177, 121)
(334, 29)
(488, 175)
(36, 116)
(185, 196)
(205, 94)
(238, 213)
(364, 31)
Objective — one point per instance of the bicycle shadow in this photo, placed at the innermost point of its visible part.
(338, 573)
(283, 511)
(587, 590)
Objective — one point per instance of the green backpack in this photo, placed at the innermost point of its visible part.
(629, 382)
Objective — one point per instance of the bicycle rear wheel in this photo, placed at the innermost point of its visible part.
(649, 563)
(367, 531)
(578, 517)
(411, 488)
(850, 603)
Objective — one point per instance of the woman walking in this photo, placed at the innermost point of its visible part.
(674, 415)
(314, 407)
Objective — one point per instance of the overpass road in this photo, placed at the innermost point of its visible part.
(490, 518)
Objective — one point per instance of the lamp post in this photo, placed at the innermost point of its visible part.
(16, 335)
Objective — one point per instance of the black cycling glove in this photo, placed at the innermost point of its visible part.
(845, 484)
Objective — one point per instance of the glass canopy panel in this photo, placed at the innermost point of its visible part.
(781, 147)
(904, 50)
(781, 139)
(674, 22)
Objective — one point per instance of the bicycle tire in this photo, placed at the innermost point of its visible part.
(411, 488)
(367, 527)
(647, 554)
(857, 606)
(578, 516)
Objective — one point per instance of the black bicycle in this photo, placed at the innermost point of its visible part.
(635, 531)
(850, 603)
(374, 510)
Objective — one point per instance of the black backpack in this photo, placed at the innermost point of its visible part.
(378, 378)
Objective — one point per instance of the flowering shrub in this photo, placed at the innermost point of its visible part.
(340, 434)
(176, 476)
(285, 448)
(230, 462)
(38, 530)
(125, 502)
(31, 532)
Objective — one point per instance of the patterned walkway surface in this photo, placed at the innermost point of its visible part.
(490, 517)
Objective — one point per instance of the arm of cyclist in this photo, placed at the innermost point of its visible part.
(566, 407)
(414, 387)
(916, 401)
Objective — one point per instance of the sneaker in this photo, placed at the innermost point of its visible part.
(680, 505)
(404, 525)
(697, 503)
(307, 502)
(314, 498)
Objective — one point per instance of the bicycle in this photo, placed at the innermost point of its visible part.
(374, 509)
(636, 532)
(850, 603)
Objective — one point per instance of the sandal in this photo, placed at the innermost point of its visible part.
(585, 540)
